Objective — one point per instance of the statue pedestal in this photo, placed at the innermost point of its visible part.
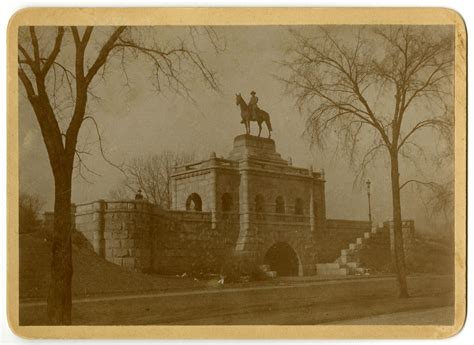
(250, 146)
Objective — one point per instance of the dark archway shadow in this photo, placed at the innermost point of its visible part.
(194, 202)
(283, 259)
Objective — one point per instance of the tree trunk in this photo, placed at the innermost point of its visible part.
(59, 297)
(397, 228)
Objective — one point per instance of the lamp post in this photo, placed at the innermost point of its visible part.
(368, 197)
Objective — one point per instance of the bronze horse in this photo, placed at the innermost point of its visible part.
(260, 116)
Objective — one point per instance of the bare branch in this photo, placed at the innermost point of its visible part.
(35, 44)
(28, 60)
(430, 184)
(104, 53)
(81, 164)
(30, 91)
(422, 124)
(87, 35)
(54, 53)
(101, 148)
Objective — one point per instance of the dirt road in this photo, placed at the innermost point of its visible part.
(306, 302)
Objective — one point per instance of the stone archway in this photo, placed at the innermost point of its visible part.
(194, 202)
(282, 258)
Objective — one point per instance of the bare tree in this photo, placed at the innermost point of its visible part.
(151, 174)
(374, 91)
(59, 68)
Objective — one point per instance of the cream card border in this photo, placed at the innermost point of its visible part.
(237, 16)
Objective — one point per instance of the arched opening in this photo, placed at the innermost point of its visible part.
(259, 204)
(279, 205)
(298, 206)
(194, 203)
(227, 203)
(282, 259)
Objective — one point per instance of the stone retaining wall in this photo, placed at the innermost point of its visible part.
(338, 235)
(185, 242)
(140, 236)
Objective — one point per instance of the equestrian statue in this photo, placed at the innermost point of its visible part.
(252, 112)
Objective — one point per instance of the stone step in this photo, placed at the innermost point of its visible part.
(352, 264)
(367, 234)
(343, 259)
(353, 246)
(352, 256)
(360, 270)
(343, 271)
(329, 265)
(359, 240)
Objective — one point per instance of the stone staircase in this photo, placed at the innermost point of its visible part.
(349, 261)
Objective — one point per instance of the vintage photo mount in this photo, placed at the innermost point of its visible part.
(238, 16)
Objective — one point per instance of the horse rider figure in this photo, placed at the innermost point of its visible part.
(252, 112)
(253, 106)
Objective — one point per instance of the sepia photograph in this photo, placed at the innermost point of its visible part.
(266, 174)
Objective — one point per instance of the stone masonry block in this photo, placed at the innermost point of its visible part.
(113, 243)
(133, 234)
(114, 225)
(130, 224)
(127, 243)
(119, 234)
(120, 252)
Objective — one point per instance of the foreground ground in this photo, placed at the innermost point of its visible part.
(294, 302)
(434, 316)
(110, 295)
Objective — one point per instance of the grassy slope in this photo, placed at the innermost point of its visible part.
(92, 274)
(426, 255)
(431, 255)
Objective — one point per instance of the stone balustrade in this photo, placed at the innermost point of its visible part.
(272, 218)
(347, 225)
(219, 162)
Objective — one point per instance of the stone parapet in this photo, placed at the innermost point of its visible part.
(119, 231)
(347, 225)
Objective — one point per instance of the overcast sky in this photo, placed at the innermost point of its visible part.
(135, 120)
